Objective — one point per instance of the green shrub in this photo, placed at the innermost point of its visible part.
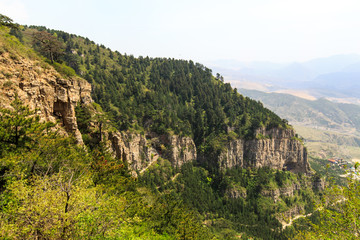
(8, 84)
(64, 70)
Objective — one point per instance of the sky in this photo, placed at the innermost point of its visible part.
(204, 30)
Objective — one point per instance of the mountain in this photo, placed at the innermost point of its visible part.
(335, 77)
(342, 84)
(354, 67)
(107, 145)
(321, 113)
(331, 64)
(324, 124)
(295, 72)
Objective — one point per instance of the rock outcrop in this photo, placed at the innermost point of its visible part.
(291, 213)
(319, 184)
(236, 192)
(233, 155)
(40, 87)
(182, 150)
(141, 151)
(134, 149)
(286, 191)
(276, 148)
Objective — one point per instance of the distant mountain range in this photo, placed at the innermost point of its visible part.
(336, 77)
(321, 113)
(330, 129)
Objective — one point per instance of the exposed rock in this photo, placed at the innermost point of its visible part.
(140, 152)
(277, 148)
(289, 190)
(233, 155)
(319, 184)
(275, 194)
(291, 213)
(183, 150)
(236, 192)
(40, 87)
(133, 148)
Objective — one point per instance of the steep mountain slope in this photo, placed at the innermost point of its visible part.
(159, 97)
(206, 152)
(40, 86)
(53, 186)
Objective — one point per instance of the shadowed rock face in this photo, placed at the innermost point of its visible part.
(277, 148)
(40, 87)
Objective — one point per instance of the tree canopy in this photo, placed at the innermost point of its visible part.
(48, 45)
(165, 96)
(8, 22)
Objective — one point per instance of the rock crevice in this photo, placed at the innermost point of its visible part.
(40, 87)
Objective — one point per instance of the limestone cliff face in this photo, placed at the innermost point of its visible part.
(275, 148)
(134, 149)
(236, 192)
(233, 155)
(286, 191)
(40, 87)
(183, 150)
(141, 151)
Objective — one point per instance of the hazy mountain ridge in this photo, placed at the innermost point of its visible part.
(330, 129)
(332, 77)
(320, 113)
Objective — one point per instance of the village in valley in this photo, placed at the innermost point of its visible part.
(343, 164)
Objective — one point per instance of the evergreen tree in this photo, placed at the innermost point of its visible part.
(19, 127)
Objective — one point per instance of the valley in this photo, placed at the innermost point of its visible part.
(329, 129)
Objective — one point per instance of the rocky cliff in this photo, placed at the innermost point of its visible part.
(42, 88)
(276, 148)
(54, 97)
(141, 151)
(286, 191)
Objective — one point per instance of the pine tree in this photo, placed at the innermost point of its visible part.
(19, 127)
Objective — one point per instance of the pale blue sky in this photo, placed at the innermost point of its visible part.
(204, 30)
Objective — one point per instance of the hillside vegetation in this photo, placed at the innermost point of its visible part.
(162, 95)
(52, 188)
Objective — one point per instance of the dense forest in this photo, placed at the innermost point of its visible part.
(158, 94)
(52, 188)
